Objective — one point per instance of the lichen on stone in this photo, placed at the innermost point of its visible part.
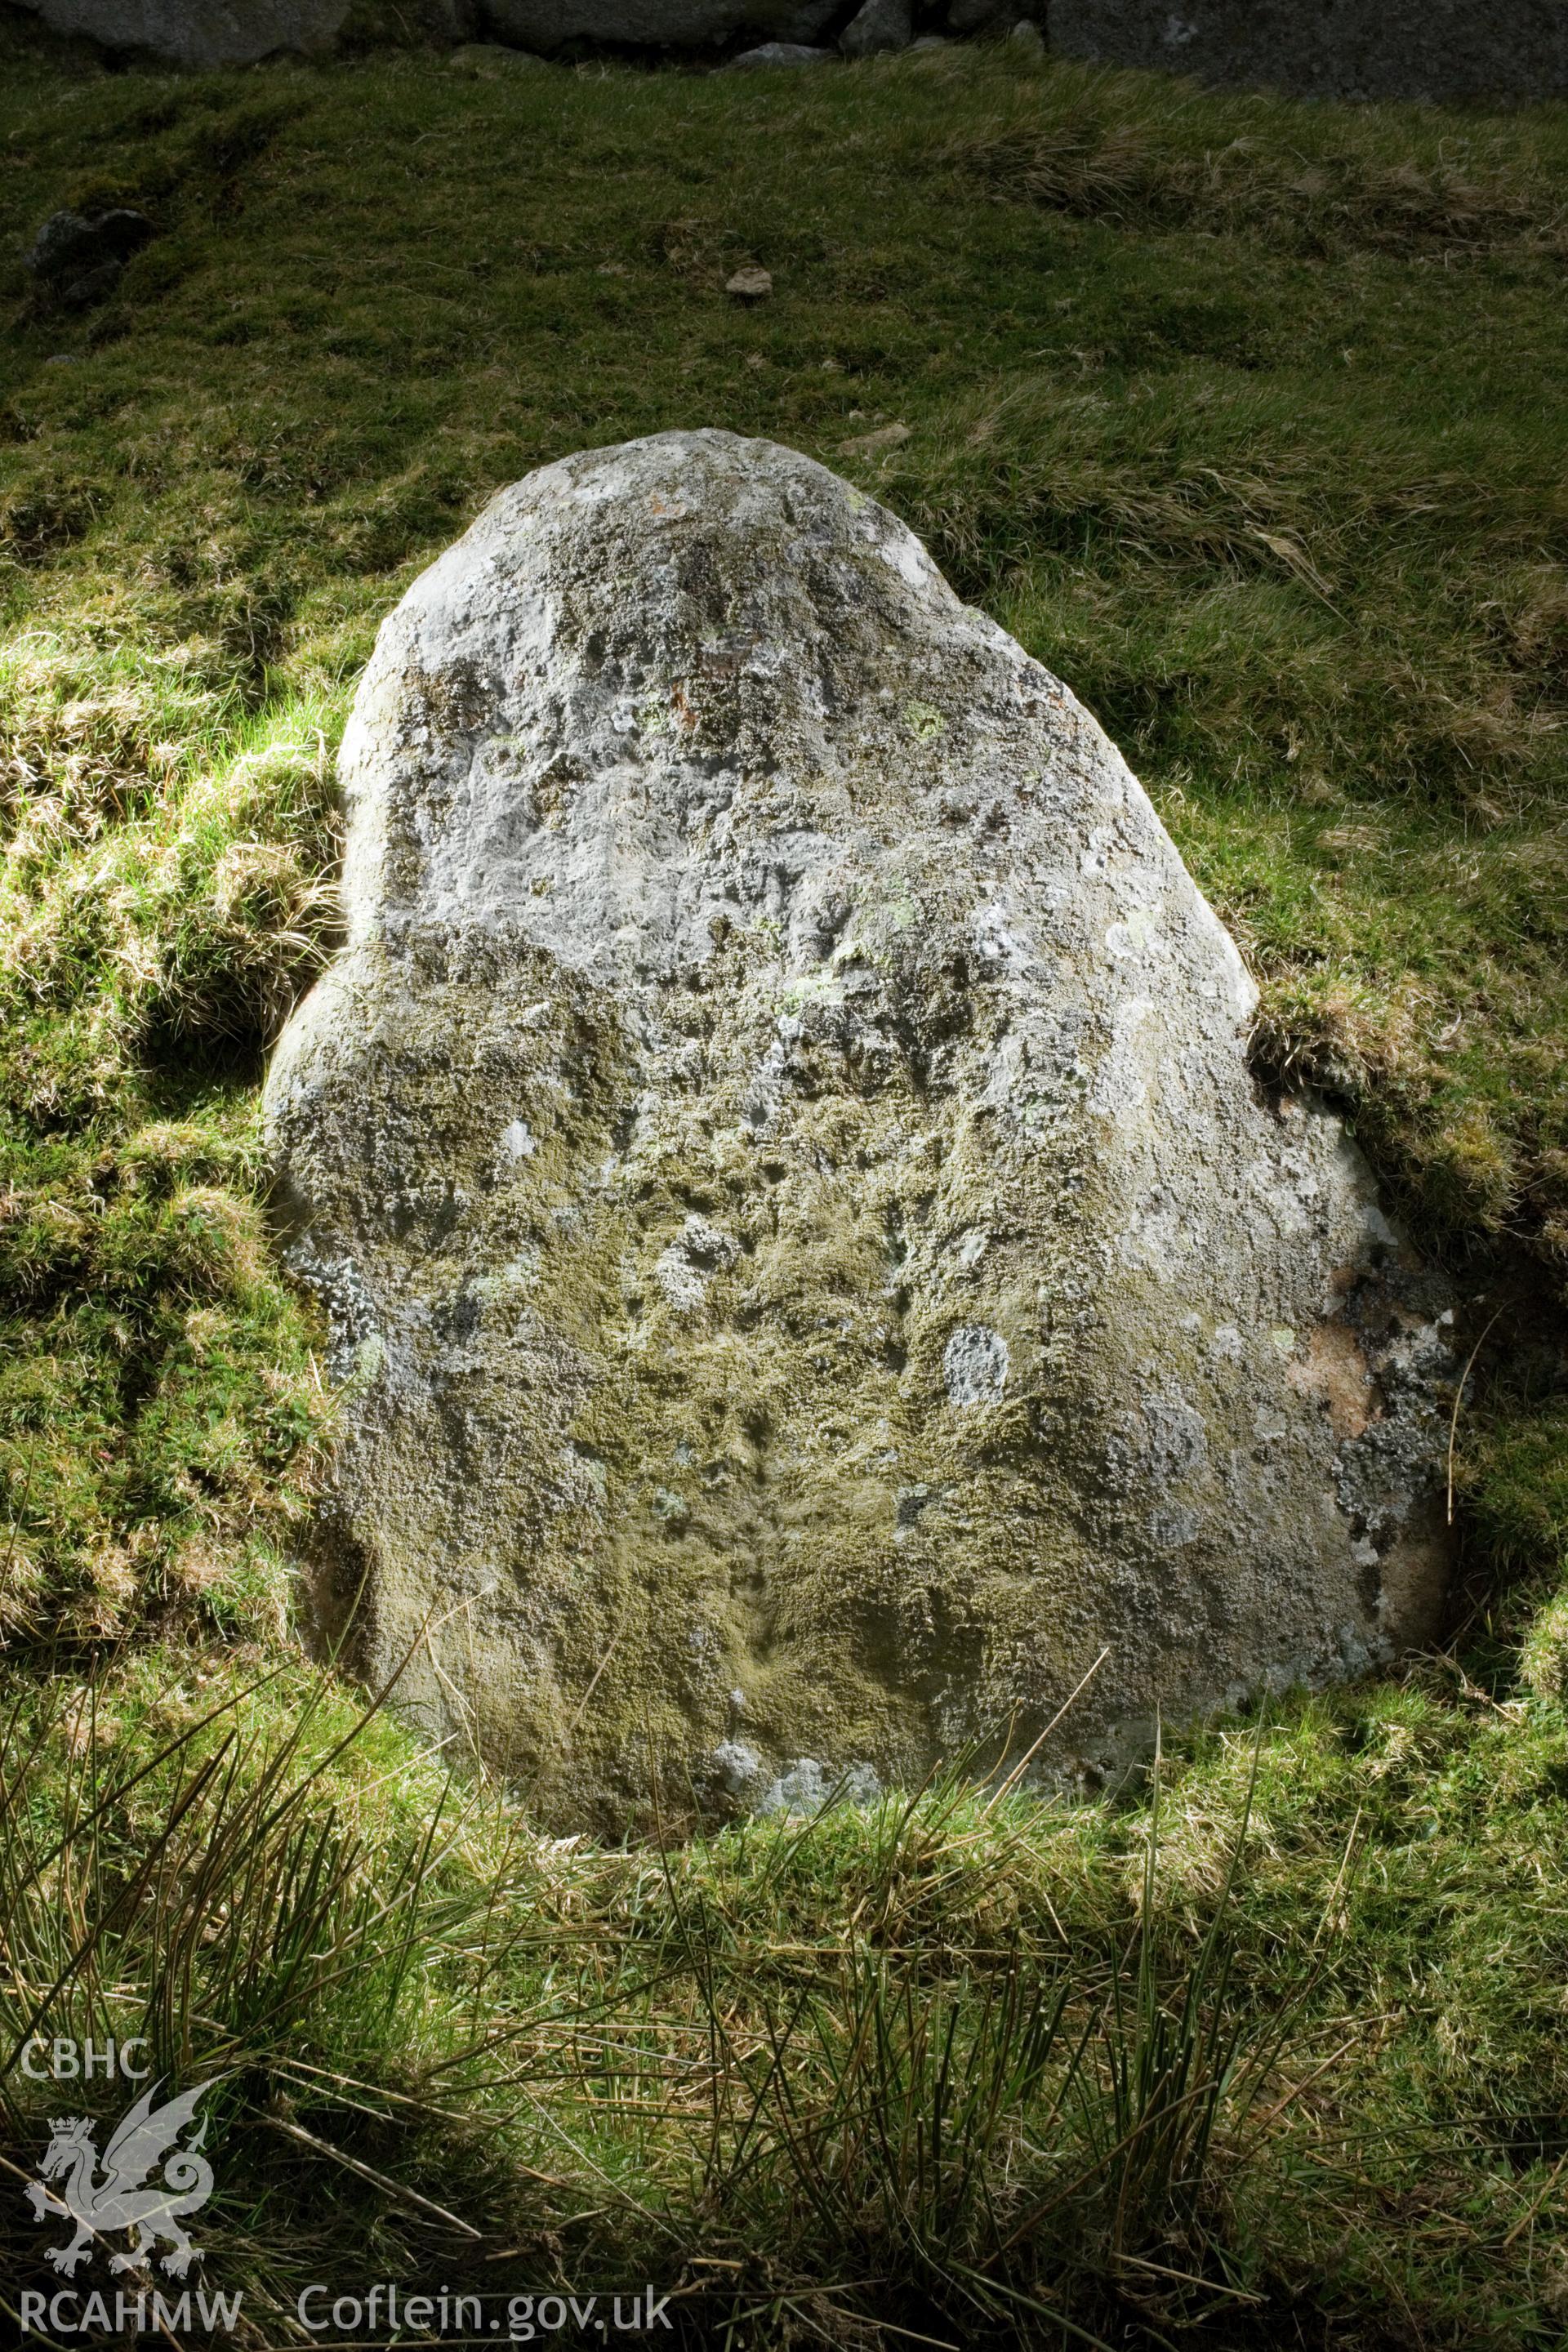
(830, 1269)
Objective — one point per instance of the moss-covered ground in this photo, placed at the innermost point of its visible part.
(1248, 419)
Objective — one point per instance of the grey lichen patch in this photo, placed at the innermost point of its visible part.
(684, 1270)
(805, 1787)
(799, 1232)
(974, 1365)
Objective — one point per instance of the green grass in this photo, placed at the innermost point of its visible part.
(1245, 418)
(1277, 2061)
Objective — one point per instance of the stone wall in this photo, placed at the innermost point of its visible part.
(205, 34)
(1448, 50)
(1452, 51)
(200, 33)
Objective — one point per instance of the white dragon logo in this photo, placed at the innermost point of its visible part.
(122, 2199)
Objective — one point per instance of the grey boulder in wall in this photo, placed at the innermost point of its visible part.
(211, 33)
(809, 1266)
(1448, 51)
(549, 25)
(201, 32)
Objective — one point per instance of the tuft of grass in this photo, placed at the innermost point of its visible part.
(1265, 2055)
(1127, 155)
(270, 1892)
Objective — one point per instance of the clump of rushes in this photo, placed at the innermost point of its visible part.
(1015, 2128)
(1255, 2059)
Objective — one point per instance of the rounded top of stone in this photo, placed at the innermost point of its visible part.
(757, 501)
(699, 681)
(637, 654)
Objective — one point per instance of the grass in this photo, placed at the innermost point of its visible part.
(1246, 417)
(935, 2054)
(1275, 2059)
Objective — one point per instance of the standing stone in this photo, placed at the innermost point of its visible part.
(808, 1264)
